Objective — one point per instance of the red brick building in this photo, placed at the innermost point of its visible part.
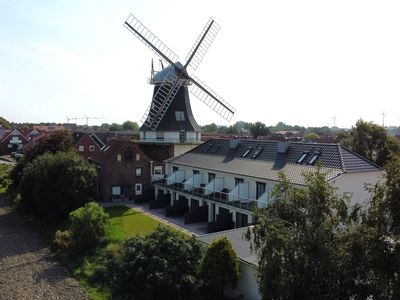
(13, 140)
(87, 145)
(124, 171)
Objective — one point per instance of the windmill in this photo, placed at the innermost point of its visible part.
(170, 107)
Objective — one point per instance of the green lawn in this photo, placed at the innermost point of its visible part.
(126, 222)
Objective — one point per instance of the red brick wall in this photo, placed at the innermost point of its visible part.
(85, 142)
(123, 173)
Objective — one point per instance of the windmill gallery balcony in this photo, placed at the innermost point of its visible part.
(214, 191)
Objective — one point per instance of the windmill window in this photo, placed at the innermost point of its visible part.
(91, 148)
(314, 158)
(137, 156)
(302, 157)
(81, 148)
(180, 115)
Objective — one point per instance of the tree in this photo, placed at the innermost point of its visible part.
(53, 185)
(374, 245)
(130, 126)
(311, 136)
(219, 268)
(299, 242)
(367, 139)
(259, 129)
(210, 128)
(161, 265)
(60, 140)
(116, 127)
(5, 123)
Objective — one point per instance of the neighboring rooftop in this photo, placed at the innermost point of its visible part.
(262, 159)
(239, 243)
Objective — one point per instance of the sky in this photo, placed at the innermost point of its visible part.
(310, 63)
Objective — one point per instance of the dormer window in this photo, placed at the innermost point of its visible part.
(302, 157)
(314, 158)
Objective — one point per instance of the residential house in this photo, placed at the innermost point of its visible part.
(87, 145)
(13, 140)
(221, 180)
(124, 171)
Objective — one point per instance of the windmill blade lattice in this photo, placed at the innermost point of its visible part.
(203, 42)
(150, 40)
(211, 99)
(162, 100)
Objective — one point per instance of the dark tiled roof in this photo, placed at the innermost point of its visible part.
(334, 159)
(106, 153)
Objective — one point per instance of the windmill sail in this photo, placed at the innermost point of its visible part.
(211, 99)
(203, 42)
(150, 40)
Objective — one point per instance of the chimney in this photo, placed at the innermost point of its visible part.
(283, 147)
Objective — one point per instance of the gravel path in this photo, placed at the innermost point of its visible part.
(28, 270)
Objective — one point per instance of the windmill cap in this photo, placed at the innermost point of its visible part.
(166, 74)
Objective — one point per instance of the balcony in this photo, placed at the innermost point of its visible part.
(213, 191)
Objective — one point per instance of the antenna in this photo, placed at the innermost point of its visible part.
(383, 118)
(178, 75)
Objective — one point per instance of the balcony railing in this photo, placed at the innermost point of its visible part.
(214, 191)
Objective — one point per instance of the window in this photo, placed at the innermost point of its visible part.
(211, 177)
(137, 156)
(138, 172)
(158, 170)
(302, 157)
(247, 152)
(213, 151)
(180, 115)
(260, 189)
(208, 148)
(81, 148)
(119, 157)
(174, 169)
(116, 190)
(238, 180)
(196, 172)
(256, 153)
(160, 135)
(314, 158)
(91, 148)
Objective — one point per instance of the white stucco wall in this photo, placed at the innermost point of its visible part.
(247, 283)
(180, 149)
(354, 183)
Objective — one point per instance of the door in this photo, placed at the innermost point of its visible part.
(138, 189)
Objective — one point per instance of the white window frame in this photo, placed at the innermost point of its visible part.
(81, 148)
(140, 173)
(91, 148)
(179, 115)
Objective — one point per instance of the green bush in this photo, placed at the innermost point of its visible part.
(88, 225)
(162, 265)
(53, 185)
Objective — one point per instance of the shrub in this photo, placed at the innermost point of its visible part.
(88, 225)
(161, 265)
